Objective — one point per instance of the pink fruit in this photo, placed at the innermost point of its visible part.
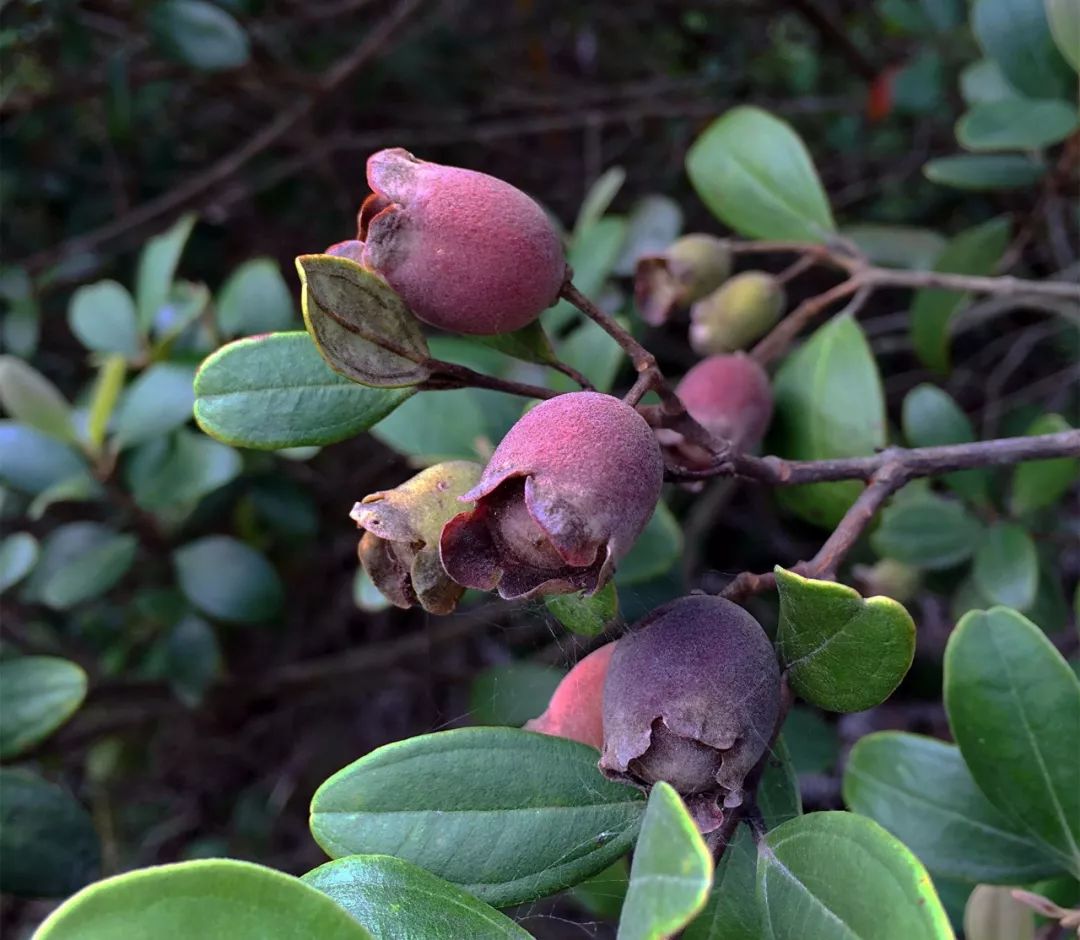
(730, 397)
(576, 708)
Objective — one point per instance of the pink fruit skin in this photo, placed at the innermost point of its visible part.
(467, 252)
(589, 470)
(576, 710)
(730, 396)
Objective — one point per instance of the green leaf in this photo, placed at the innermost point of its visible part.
(829, 403)
(590, 350)
(1064, 21)
(1038, 484)
(897, 246)
(37, 695)
(591, 256)
(503, 835)
(48, 846)
(983, 81)
(271, 392)
(922, 792)
(366, 596)
(813, 742)
(671, 873)
(1006, 567)
(356, 320)
(33, 400)
(1016, 124)
(603, 894)
(33, 462)
(79, 561)
(255, 299)
(838, 876)
(512, 693)
(18, 555)
(985, 172)
(1009, 695)
(598, 199)
(529, 344)
(157, 268)
(843, 653)
(654, 223)
(974, 251)
(76, 489)
(215, 897)
(199, 34)
(102, 316)
(157, 402)
(931, 418)
(586, 616)
(778, 794)
(1016, 35)
(732, 911)
(179, 470)
(394, 898)
(193, 659)
(658, 547)
(927, 531)
(229, 580)
(184, 305)
(754, 173)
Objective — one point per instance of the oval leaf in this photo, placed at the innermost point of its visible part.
(843, 653)
(157, 267)
(922, 792)
(1006, 566)
(1010, 695)
(754, 173)
(1016, 35)
(362, 328)
(586, 616)
(79, 561)
(272, 392)
(732, 911)
(216, 897)
(1041, 483)
(512, 693)
(671, 873)
(18, 555)
(1016, 124)
(498, 833)
(1064, 18)
(102, 316)
(829, 403)
(229, 580)
(931, 418)
(927, 531)
(985, 172)
(157, 402)
(37, 695)
(658, 548)
(33, 400)
(200, 34)
(394, 898)
(255, 299)
(838, 876)
(34, 462)
(48, 846)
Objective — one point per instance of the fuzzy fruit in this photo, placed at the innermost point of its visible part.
(562, 499)
(730, 397)
(691, 697)
(690, 268)
(740, 312)
(400, 545)
(465, 251)
(576, 708)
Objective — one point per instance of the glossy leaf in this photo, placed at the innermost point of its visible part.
(215, 897)
(18, 555)
(1016, 124)
(829, 403)
(512, 693)
(48, 846)
(1006, 566)
(838, 876)
(229, 580)
(396, 899)
(255, 299)
(975, 251)
(79, 561)
(276, 391)
(732, 911)
(658, 547)
(586, 616)
(930, 419)
(985, 172)
(157, 268)
(927, 531)
(157, 402)
(102, 316)
(200, 34)
(362, 328)
(1038, 484)
(33, 462)
(754, 173)
(32, 400)
(1016, 35)
(1009, 693)
(921, 791)
(503, 835)
(843, 653)
(1064, 21)
(671, 873)
(37, 695)
(179, 469)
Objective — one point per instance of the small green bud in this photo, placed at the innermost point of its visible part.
(690, 268)
(740, 312)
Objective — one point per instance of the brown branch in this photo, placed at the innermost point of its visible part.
(777, 341)
(450, 375)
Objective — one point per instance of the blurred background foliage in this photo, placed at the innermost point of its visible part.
(162, 164)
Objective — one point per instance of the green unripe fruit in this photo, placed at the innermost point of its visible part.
(737, 314)
(690, 268)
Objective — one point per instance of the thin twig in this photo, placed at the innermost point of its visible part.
(450, 375)
(777, 341)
